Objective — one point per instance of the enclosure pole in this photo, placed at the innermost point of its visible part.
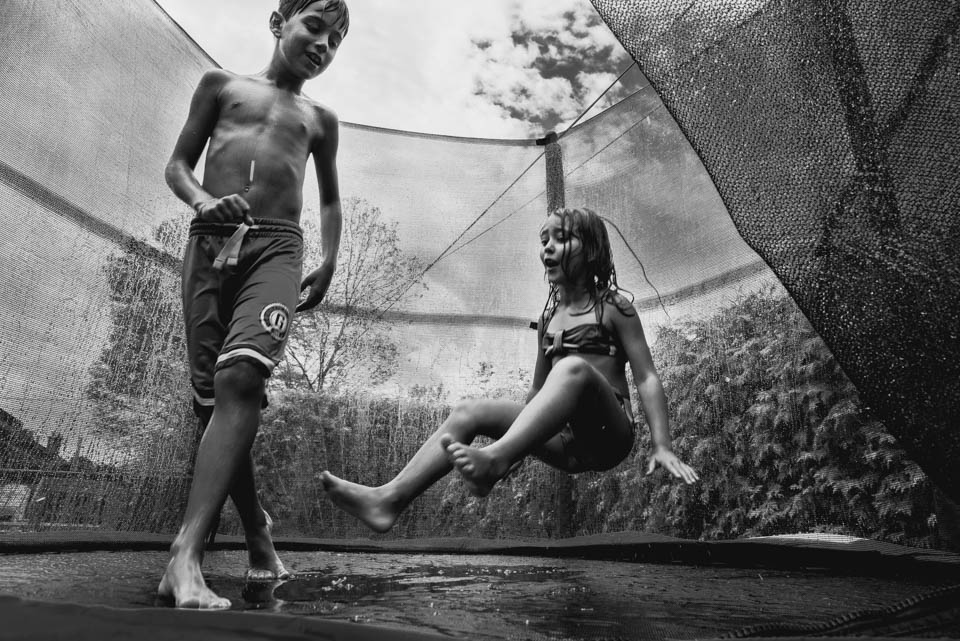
(564, 516)
(554, 167)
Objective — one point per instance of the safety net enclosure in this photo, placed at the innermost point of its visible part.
(95, 397)
(787, 161)
(830, 129)
(94, 394)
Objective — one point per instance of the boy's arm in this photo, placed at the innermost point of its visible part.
(331, 215)
(201, 120)
(652, 397)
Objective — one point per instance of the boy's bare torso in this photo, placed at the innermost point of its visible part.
(274, 128)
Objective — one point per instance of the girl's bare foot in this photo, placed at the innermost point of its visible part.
(265, 565)
(183, 584)
(363, 502)
(479, 469)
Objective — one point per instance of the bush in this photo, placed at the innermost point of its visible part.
(758, 406)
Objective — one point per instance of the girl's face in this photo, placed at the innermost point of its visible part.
(560, 251)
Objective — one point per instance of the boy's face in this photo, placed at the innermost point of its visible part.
(308, 41)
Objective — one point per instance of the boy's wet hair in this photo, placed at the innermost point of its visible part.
(341, 14)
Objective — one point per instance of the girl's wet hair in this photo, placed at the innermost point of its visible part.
(589, 228)
(341, 15)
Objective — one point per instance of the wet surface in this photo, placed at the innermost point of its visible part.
(481, 596)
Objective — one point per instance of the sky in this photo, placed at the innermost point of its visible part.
(504, 69)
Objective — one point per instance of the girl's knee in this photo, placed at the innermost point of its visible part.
(476, 417)
(573, 368)
(465, 416)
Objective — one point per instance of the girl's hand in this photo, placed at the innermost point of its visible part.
(669, 461)
(229, 209)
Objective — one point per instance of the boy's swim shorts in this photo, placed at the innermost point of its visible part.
(241, 312)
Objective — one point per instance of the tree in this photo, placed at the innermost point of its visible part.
(512, 385)
(345, 339)
(139, 381)
(760, 407)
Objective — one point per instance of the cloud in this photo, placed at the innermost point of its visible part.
(548, 65)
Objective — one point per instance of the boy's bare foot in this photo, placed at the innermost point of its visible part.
(265, 565)
(361, 501)
(183, 584)
(480, 470)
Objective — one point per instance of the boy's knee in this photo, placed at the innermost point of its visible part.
(240, 377)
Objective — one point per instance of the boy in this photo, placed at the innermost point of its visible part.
(241, 271)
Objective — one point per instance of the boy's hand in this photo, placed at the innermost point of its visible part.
(669, 461)
(229, 209)
(318, 281)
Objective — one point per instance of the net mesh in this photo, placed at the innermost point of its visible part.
(830, 130)
(439, 279)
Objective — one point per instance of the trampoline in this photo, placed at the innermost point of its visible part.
(627, 587)
(781, 197)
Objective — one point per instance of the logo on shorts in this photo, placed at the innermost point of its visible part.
(275, 318)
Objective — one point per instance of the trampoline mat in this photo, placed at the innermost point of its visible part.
(341, 594)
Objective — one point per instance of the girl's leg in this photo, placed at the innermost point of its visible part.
(574, 390)
(379, 507)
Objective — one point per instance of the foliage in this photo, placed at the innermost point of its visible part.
(139, 395)
(762, 410)
(138, 386)
(362, 438)
(490, 383)
(345, 338)
(758, 405)
(368, 440)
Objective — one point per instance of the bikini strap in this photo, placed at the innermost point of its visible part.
(557, 348)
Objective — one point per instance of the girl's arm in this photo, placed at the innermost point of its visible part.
(652, 398)
(542, 366)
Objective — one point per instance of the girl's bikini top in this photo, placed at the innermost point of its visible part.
(589, 338)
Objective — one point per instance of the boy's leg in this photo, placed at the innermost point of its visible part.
(379, 507)
(265, 564)
(573, 388)
(224, 448)
(271, 256)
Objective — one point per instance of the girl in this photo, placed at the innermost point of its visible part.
(577, 416)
